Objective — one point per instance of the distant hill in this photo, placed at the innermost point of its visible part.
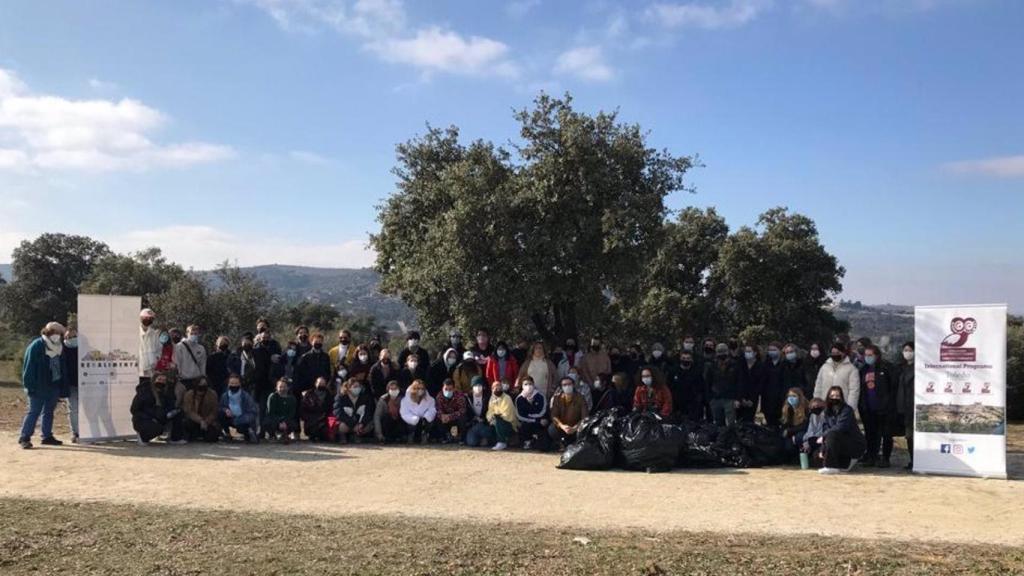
(888, 325)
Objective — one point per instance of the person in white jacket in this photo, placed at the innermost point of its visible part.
(149, 344)
(418, 412)
(839, 371)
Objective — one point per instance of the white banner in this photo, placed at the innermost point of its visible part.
(108, 365)
(960, 390)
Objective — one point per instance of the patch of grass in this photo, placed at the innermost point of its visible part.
(8, 372)
(46, 537)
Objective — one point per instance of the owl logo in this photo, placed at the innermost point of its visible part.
(952, 348)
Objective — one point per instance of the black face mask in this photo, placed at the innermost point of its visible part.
(499, 392)
(234, 389)
(303, 338)
(246, 347)
(834, 404)
(223, 348)
(722, 357)
(818, 410)
(344, 341)
(318, 346)
(709, 350)
(837, 357)
(686, 363)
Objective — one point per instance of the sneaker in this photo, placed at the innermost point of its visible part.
(500, 446)
(25, 444)
(853, 462)
(142, 442)
(424, 439)
(828, 471)
(884, 463)
(74, 439)
(51, 441)
(527, 445)
(251, 437)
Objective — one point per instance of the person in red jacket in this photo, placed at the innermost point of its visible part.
(501, 365)
(653, 395)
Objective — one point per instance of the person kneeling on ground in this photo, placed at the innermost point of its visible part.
(567, 411)
(201, 408)
(451, 412)
(794, 420)
(315, 407)
(280, 421)
(353, 411)
(418, 412)
(843, 442)
(387, 416)
(238, 410)
(153, 409)
(479, 431)
(532, 412)
(501, 415)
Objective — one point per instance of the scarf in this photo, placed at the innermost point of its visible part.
(51, 348)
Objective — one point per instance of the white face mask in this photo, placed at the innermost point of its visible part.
(908, 355)
(393, 393)
(413, 343)
(567, 390)
(478, 390)
(815, 353)
(647, 380)
(656, 353)
(363, 358)
(501, 352)
(504, 386)
(412, 366)
(54, 338)
(597, 384)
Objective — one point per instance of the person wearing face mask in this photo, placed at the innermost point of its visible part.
(532, 413)
(69, 381)
(344, 353)
(302, 343)
(201, 408)
(570, 356)
(381, 373)
(217, 366)
(353, 412)
(773, 393)
(604, 393)
(388, 425)
(539, 369)
(149, 344)
(281, 420)
(165, 360)
(419, 410)
(464, 373)
(794, 375)
(652, 395)
(454, 342)
(190, 357)
(753, 375)
(620, 363)
(153, 410)
(521, 351)
(595, 361)
(314, 409)
(413, 348)
(875, 406)
(359, 369)
(687, 386)
(442, 369)
(902, 421)
(482, 348)
(659, 359)
(501, 365)
(838, 371)
(722, 378)
(450, 424)
(582, 387)
(42, 378)
(857, 351)
(815, 431)
(502, 415)
(479, 430)
(813, 362)
(843, 442)
(243, 362)
(413, 369)
(238, 410)
(567, 411)
(794, 420)
(312, 366)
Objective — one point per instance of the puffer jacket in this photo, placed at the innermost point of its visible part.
(843, 374)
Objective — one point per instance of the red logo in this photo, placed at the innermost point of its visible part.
(952, 348)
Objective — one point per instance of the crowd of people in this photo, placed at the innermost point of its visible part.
(489, 393)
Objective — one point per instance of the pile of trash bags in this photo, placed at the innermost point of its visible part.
(645, 441)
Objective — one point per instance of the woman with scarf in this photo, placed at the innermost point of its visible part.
(42, 376)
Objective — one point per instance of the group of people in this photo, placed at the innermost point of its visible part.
(488, 393)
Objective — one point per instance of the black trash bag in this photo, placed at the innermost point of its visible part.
(647, 442)
(596, 445)
(699, 449)
(762, 446)
(729, 450)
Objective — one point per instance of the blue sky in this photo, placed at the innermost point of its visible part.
(263, 131)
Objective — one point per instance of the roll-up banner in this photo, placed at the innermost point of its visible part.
(108, 365)
(960, 390)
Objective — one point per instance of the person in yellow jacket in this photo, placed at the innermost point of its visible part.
(501, 414)
(342, 354)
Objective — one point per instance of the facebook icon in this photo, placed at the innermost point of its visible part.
(946, 448)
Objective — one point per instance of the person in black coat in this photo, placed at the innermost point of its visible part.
(813, 362)
(752, 378)
(723, 377)
(603, 393)
(382, 372)
(687, 386)
(413, 369)
(793, 373)
(353, 410)
(69, 373)
(773, 391)
(875, 406)
(903, 400)
(312, 365)
(217, 366)
(441, 370)
(842, 442)
(413, 348)
(153, 408)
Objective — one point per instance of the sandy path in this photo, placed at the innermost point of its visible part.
(332, 480)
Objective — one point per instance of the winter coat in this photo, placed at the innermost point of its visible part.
(722, 380)
(413, 412)
(37, 375)
(190, 359)
(146, 407)
(352, 413)
(547, 387)
(493, 373)
(421, 353)
(379, 380)
(405, 377)
(68, 370)
(217, 371)
(337, 359)
(471, 414)
(314, 410)
(439, 371)
(463, 375)
(454, 407)
(311, 366)
(281, 408)
(569, 412)
(843, 374)
(250, 410)
(687, 387)
(844, 421)
(753, 379)
(503, 407)
(795, 376)
(201, 406)
(606, 398)
(532, 409)
(656, 398)
(884, 386)
(594, 363)
(149, 350)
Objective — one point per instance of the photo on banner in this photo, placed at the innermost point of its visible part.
(960, 390)
(108, 365)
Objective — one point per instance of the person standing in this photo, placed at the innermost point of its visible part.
(69, 368)
(794, 375)
(903, 400)
(539, 369)
(722, 378)
(313, 365)
(381, 373)
(464, 374)
(217, 366)
(413, 348)
(752, 381)
(344, 353)
(687, 386)
(442, 369)
(839, 371)
(502, 365)
(190, 358)
(876, 386)
(773, 393)
(42, 376)
(595, 361)
(149, 345)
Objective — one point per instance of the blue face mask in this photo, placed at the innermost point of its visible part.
(449, 393)
(793, 401)
(748, 355)
(291, 353)
(773, 354)
(869, 360)
(164, 339)
(71, 342)
(791, 356)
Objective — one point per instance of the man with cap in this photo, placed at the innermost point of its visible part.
(41, 376)
(722, 381)
(413, 347)
(465, 372)
(149, 345)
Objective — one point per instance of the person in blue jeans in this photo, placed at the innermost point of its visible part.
(42, 377)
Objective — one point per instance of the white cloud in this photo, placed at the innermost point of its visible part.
(102, 85)
(42, 131)
(731, 14)
(381, 26)
(1000, 166)
(585, 62)
(203, 247)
